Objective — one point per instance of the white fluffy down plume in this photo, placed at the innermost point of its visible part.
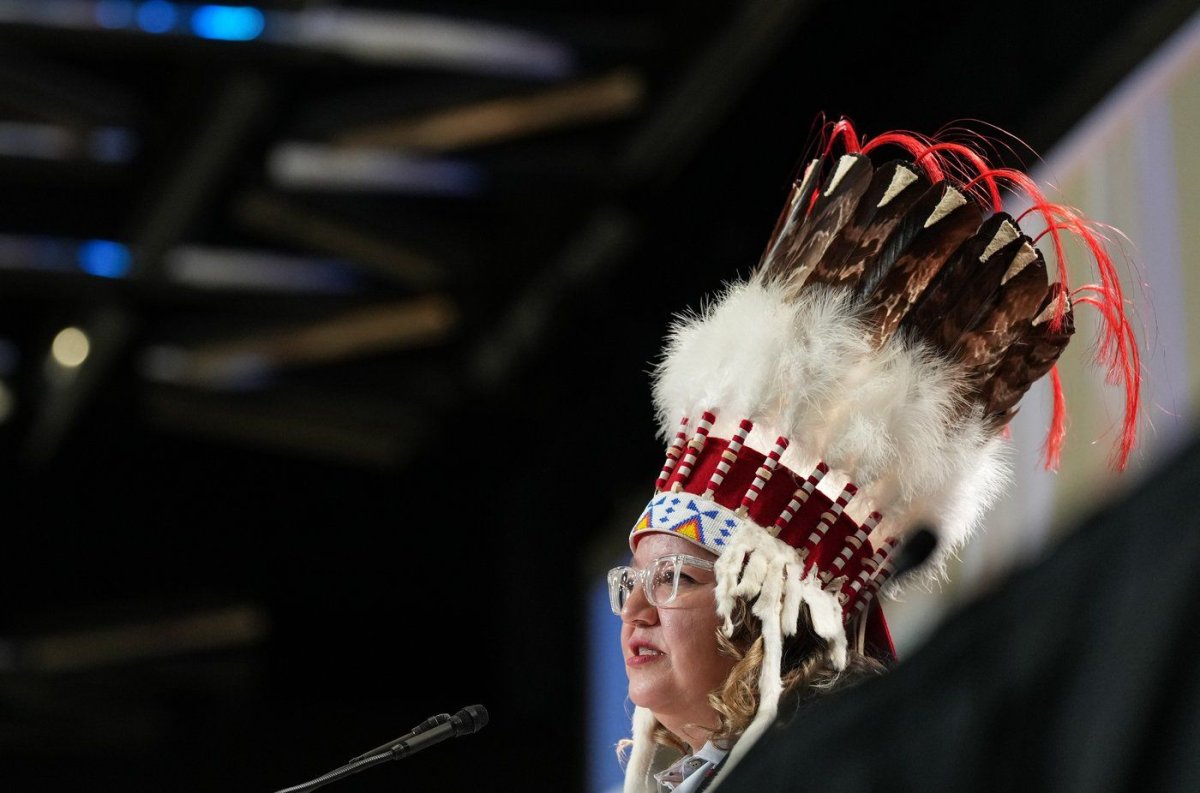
(862, 435)
(898, 434)
(981, 469)
(753, 354)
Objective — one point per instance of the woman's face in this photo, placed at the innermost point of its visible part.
(671, 654)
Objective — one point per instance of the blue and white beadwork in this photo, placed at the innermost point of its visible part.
(704, 522)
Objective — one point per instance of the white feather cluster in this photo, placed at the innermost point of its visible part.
(893, 420)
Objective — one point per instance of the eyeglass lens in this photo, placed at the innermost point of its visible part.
(661, 582)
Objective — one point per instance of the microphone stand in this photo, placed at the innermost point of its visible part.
(353, 767)
(432, 731)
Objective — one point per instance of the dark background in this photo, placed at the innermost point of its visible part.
(406, 531)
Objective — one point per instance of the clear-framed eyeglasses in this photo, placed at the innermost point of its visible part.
(664, 580)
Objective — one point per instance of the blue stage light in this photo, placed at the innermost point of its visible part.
(227, 23)
(156, 16)
(104, 258)
(114, 14)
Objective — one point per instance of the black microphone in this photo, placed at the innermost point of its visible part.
(435, 729)
(470, 719)
(915, 550)
(429, 723)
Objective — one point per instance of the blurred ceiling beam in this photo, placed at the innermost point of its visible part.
(329, 427)
(389, 38)
(318, 166)
(236, 269)
(431, 40)
(192, 173)
(197, 267)
(709, 87)
(249, 360)
(38, 141)
(38, 88)
(108, 645)
(611, 96)
(602, 241)
(288, 221)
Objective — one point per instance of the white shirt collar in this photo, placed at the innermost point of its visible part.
(688, 772)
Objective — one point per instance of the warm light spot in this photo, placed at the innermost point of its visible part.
(70, 347)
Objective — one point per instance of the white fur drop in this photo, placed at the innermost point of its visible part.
(637, 771)
(751, 559)
(825, 613)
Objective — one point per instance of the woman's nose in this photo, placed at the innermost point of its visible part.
(638, 609)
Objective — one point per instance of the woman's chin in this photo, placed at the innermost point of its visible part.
(646, 694)
(651, 694)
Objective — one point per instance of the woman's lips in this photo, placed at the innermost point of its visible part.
(642, 654)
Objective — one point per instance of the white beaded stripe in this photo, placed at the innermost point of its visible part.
(685, 468)
(728, 456)
(853, 543)
(764, 472)
(789, 511)
(878, 559)
(800, 497)
(876, 584)
(856, 540)
(673, 453)
(857, 584)
(864, 601)
(835, 512)
(695, 445)
(868, 568)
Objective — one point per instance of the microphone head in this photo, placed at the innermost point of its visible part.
(431, 722)
(470, 719)
(915, 550)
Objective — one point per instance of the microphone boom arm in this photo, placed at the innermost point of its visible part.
(433, 730)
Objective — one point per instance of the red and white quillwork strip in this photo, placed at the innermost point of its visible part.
(673, 452)
(830, 517)
(876, 583)
(728, 456)
(800, 497)
(854, 544)
(763, 474)
(871, 565)
(696, 444)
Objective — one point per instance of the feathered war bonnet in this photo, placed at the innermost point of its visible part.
(856, 387)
